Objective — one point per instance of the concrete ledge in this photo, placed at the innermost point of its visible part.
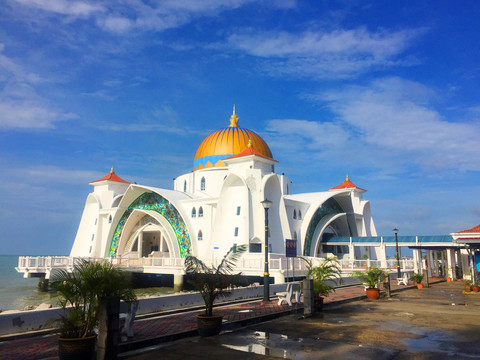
(36, 322)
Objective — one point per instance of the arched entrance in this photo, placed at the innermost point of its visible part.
(166, 220)
(147, 237)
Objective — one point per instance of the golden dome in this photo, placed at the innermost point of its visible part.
(227, 142)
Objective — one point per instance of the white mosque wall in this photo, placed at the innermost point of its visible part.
(228, 227)
(279, 230)
(87, 229)
(242, 185)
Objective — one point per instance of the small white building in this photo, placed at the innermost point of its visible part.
(218, 205)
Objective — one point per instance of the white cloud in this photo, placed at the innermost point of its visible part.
(25, 115)
(338, 53)
(65, 7)
(20, 105)
(162, 119)
(387, 127)
(395, 115)
(122, 17)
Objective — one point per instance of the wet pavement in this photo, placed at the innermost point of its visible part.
(440, 322)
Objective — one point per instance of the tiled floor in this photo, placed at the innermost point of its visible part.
(44, 347)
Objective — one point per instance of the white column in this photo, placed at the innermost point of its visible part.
(450, 264)
(415, 260)
(140, 244)
(382, 255)
(351, 249)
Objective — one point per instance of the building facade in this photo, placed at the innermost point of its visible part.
(218, 205)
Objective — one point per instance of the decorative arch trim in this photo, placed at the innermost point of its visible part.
(157, 203)
(329, 207)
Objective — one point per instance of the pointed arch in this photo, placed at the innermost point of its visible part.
(157, 203)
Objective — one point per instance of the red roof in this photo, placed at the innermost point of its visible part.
(475, 229)
(347, 184)
(111, 177)
(249, 150)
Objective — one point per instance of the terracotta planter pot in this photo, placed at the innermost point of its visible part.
(209, 325)
(419, 286)
(476, 288)
(449, 279)
(373, 294)
(76, 349)
(468, 288)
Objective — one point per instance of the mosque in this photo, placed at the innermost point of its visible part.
(219, 205)
(227, 200)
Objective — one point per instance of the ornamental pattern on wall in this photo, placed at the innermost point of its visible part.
(155, 202)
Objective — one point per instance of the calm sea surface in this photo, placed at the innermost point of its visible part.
(15, 291)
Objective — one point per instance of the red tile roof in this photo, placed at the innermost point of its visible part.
(111, 177)
(347, 184)
(475, 229)
(249, 150)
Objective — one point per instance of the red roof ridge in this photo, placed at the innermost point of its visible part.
(111, 177)
(475, 229)
(347, 184)
(249, 150)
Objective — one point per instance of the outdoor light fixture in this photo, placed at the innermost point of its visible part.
(266, 281)
(395, 231)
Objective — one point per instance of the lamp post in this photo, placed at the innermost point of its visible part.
(395, 231)
(266, 281)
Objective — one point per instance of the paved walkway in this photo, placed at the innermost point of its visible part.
(162, 328)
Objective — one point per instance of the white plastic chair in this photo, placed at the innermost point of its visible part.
(293, 289)
(403, 280)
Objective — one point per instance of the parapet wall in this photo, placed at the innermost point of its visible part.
(24, 321)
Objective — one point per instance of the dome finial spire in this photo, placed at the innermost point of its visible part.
(111, 171)
(233, 119)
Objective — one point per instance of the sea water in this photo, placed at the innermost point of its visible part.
(16, 293)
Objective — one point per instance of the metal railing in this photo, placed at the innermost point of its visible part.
(248, 262)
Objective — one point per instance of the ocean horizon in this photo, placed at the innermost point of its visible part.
(16, 292)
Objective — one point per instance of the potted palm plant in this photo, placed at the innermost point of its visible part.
(81, 293)
(418, 278)
(213, 282)
(327, 273)
(370, 278)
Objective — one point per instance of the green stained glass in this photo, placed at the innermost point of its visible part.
(155, 202)
(329, 207)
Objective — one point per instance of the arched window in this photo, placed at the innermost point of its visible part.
(202, 184)
(294, 213)
(200, 235)
(287, 189)
(200, 212)
(185, 186)
(295, 235)
(110, 219)
(299, 214)
(194, 213)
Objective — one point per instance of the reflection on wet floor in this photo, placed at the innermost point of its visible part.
(429, 342)
(262, 343)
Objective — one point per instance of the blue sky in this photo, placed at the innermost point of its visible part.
(386, 92)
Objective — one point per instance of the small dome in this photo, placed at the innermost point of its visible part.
(227, 142)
